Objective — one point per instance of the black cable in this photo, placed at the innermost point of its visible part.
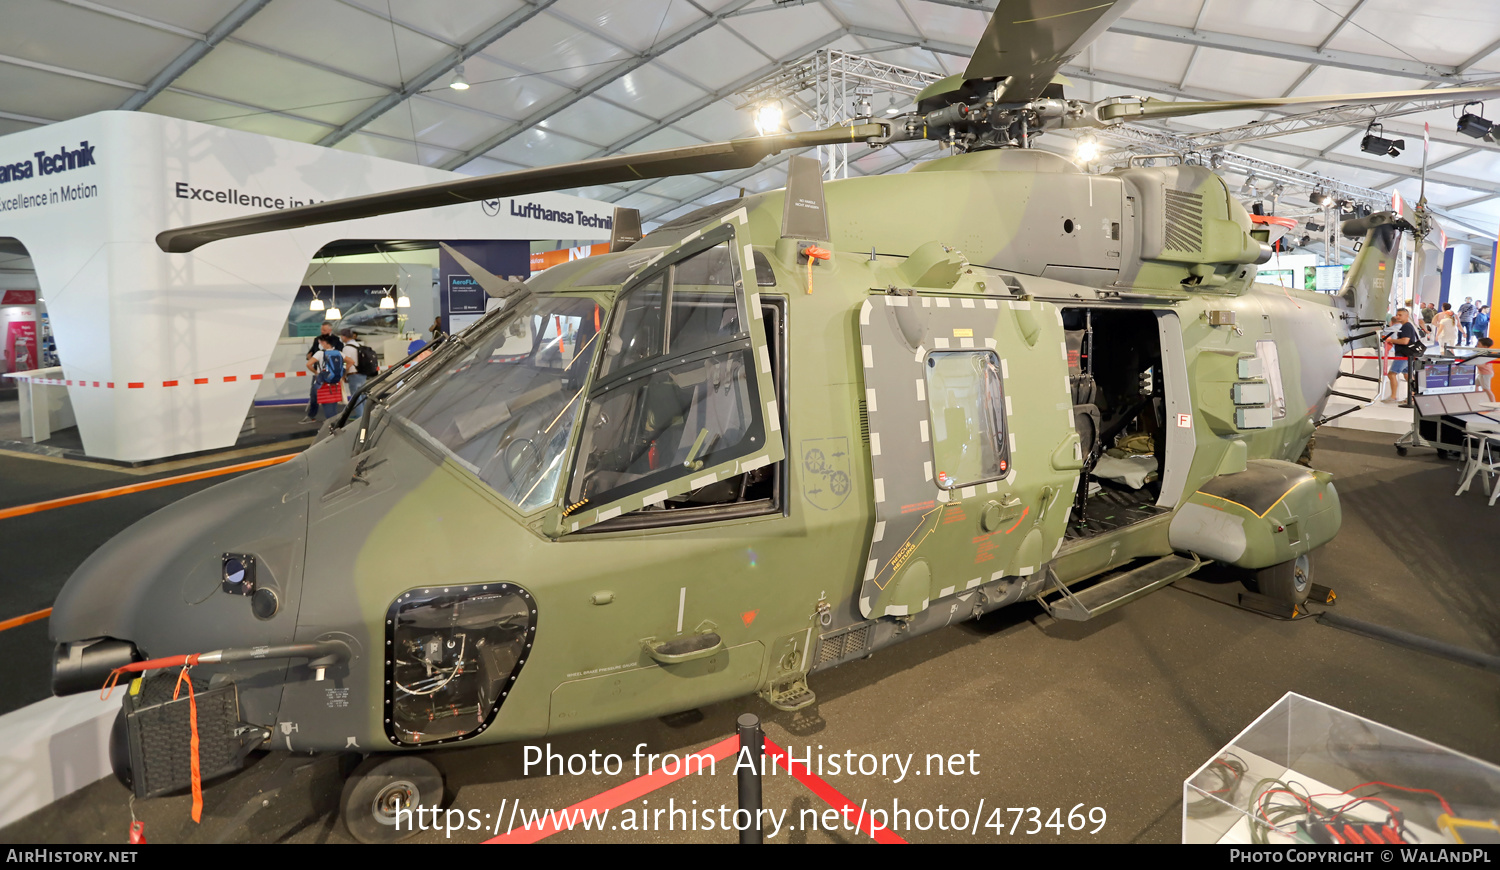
(1230, 771)
(1309, 614)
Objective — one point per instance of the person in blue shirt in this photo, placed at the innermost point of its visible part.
(330, 373)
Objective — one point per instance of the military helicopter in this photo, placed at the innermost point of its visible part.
(767, 438)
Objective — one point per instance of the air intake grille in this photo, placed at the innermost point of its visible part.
(831, 649)
(850, 644)
(864, 422)
(1184, 222)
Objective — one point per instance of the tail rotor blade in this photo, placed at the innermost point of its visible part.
(1426, 146)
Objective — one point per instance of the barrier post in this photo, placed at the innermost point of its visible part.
(753, 739)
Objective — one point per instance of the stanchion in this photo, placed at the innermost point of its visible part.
(754, 740)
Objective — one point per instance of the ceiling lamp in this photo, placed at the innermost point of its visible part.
(1378, 144)
(403, 302)
(387, 302)
(316, 305)
(768, 118)
(459, 83)
(332, 314)
(894, 108)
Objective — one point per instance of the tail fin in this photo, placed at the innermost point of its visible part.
(1366, 297)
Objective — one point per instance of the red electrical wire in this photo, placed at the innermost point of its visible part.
(1446, 808)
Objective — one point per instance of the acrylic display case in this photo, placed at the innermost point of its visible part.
(1305, 772)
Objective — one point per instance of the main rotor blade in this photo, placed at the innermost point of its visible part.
(1029, 40)
(1164, 109)
(734, 154)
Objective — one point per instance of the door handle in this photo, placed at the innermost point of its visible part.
(683, 649)
(1069, 455)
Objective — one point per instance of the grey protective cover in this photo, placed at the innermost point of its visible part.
(625, 229)
(805, 215)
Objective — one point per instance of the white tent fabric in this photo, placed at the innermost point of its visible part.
(556, 80)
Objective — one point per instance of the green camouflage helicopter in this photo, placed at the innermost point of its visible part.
(768, 438)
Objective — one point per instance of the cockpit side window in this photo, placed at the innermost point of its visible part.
(682, 307)
(675, 421)
(678, 393)
(637, 326)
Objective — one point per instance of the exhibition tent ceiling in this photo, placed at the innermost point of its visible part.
(558, 80)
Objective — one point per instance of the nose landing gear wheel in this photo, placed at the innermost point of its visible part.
(383, 785)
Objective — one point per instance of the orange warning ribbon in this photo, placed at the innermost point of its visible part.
(197, 771)
(813, 252)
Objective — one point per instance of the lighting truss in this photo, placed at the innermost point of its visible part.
(825, 87)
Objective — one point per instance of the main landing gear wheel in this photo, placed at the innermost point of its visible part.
(1288, 582)
(382, 785)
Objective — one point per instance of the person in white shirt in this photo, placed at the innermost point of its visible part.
(352, 376)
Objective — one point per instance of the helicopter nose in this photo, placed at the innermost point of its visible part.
(220, 568)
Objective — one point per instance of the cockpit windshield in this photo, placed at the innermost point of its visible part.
(506, 404)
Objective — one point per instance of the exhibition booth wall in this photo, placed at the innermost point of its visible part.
(158, 349)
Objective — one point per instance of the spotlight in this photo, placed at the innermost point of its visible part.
(1248, 188)
(1315, 227)
(1320, 197)
(862, 107)
(1087, 150)
(768, 119)
(894, 108)
(1378, 144)
(459, 83)
(1476, 126)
